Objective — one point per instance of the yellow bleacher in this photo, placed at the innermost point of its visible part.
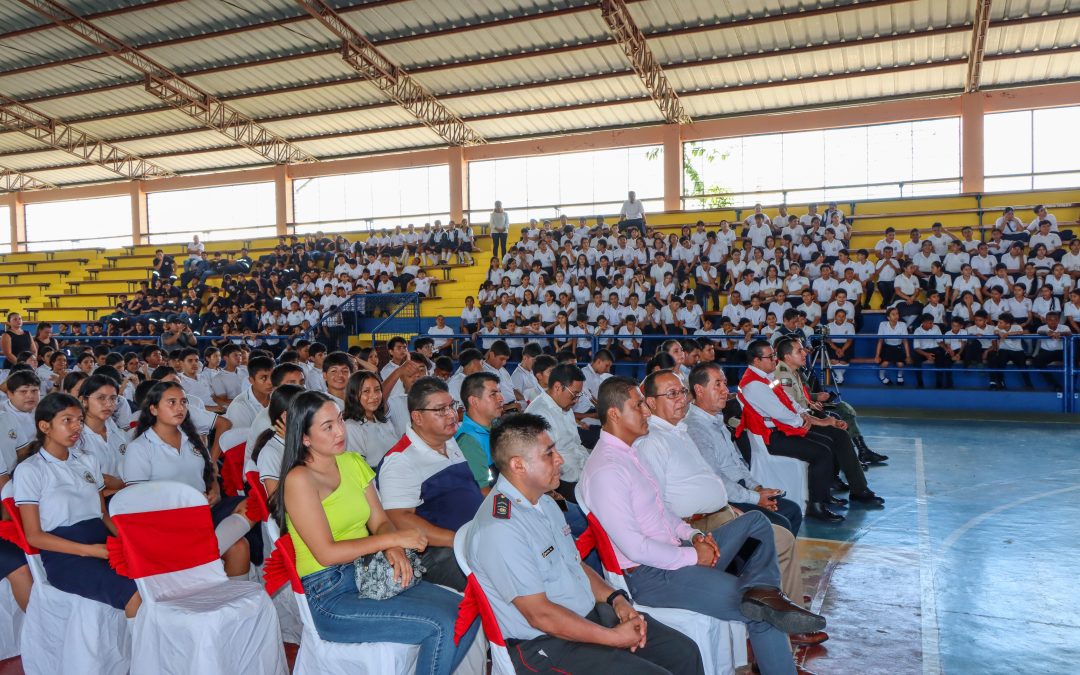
(83, 284)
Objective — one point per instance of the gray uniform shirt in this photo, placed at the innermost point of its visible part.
(525, 550)
(714, 441)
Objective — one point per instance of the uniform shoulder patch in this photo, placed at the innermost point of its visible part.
(501, 507)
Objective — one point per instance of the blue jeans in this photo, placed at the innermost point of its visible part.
(422, 615)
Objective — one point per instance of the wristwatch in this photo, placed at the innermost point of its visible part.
(615, 594)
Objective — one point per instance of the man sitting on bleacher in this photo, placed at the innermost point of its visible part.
(556, 614)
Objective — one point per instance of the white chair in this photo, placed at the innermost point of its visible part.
(11, 621)
(476, 603)
(319, 657)
(193, 620)
(722, 643)
(66, 633)
(786, 473)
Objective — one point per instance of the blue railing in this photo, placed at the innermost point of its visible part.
(860, 372)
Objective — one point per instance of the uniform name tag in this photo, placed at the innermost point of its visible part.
(547, 551)
(501, 507)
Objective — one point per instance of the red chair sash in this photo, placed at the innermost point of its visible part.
(280, 568)
(258, 505)
(158, 542)
(232, 470)
(594, 537)
(475, 603)
(12, 530)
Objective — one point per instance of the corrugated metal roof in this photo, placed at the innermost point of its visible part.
(513, 68)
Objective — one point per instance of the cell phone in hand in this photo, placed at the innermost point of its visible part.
(778, 495)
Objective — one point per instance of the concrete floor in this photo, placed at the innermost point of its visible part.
(972, 566)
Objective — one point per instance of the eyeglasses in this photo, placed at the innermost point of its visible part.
(444, 411)
(768, 357)
(675, 394)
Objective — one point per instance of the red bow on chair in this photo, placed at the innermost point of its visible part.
(258, 506)
(232, 470)
(596, 538)
(117, 561)
(474, 604)
(280, 568)
(12, 530)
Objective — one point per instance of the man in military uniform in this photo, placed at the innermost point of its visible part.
(791, 359)
(556, 614)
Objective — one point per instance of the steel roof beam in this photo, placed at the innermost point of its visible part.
(60, 136)
(391, 79)
(13, 181)
(978, 45)
(630, 38)
(176, 91)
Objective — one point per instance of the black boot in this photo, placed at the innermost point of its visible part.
(866, 455)
(818, 511)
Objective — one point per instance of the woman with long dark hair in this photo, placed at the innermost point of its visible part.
(59, 493)
(101, 436)
(327, 500)
(270, 445)
(166, 446)
(367, 427)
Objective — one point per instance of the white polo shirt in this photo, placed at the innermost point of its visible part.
(65, 491)
(109, 452)
(150, 458)
(564, 434)
(270, 458)
(228, 384)
(402, 474)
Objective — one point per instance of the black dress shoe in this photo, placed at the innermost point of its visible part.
(836, 501)
(870, 457)
(819, 511)
(838, 485)
(867, 498)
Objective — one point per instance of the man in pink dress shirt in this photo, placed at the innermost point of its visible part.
(666, 562)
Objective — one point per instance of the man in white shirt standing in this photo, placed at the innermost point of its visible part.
(632, 214)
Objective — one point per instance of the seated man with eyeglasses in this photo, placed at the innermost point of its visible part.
(565, 386)
(425, 481)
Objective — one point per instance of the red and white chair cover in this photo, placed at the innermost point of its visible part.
(317, 656)
(63, 632)
(193, 619)
(233, 444)
(474, 604)
(786, 473)
(284, 604)
(722, 643)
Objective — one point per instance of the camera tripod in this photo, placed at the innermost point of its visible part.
(820, 361)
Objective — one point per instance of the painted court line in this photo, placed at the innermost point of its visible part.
(931, 656)
(986, 515)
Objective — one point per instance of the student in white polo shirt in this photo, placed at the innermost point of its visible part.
(228, 382)
(269, 447)
(1008, 350)
(190, 382)
(166, 446)
(17, 430)
(890, 350)
(253, 400)
(101, 436)
(58, 492)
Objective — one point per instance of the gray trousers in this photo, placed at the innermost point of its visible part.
(711, 591)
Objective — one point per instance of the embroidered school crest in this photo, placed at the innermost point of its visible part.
(12, 435)
(501, 507)
(123, 448)
(88, 477)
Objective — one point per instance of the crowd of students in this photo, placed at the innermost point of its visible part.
(562, 284)
(359, 458)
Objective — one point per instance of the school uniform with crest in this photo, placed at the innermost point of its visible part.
(518, 549)
(68, 496)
